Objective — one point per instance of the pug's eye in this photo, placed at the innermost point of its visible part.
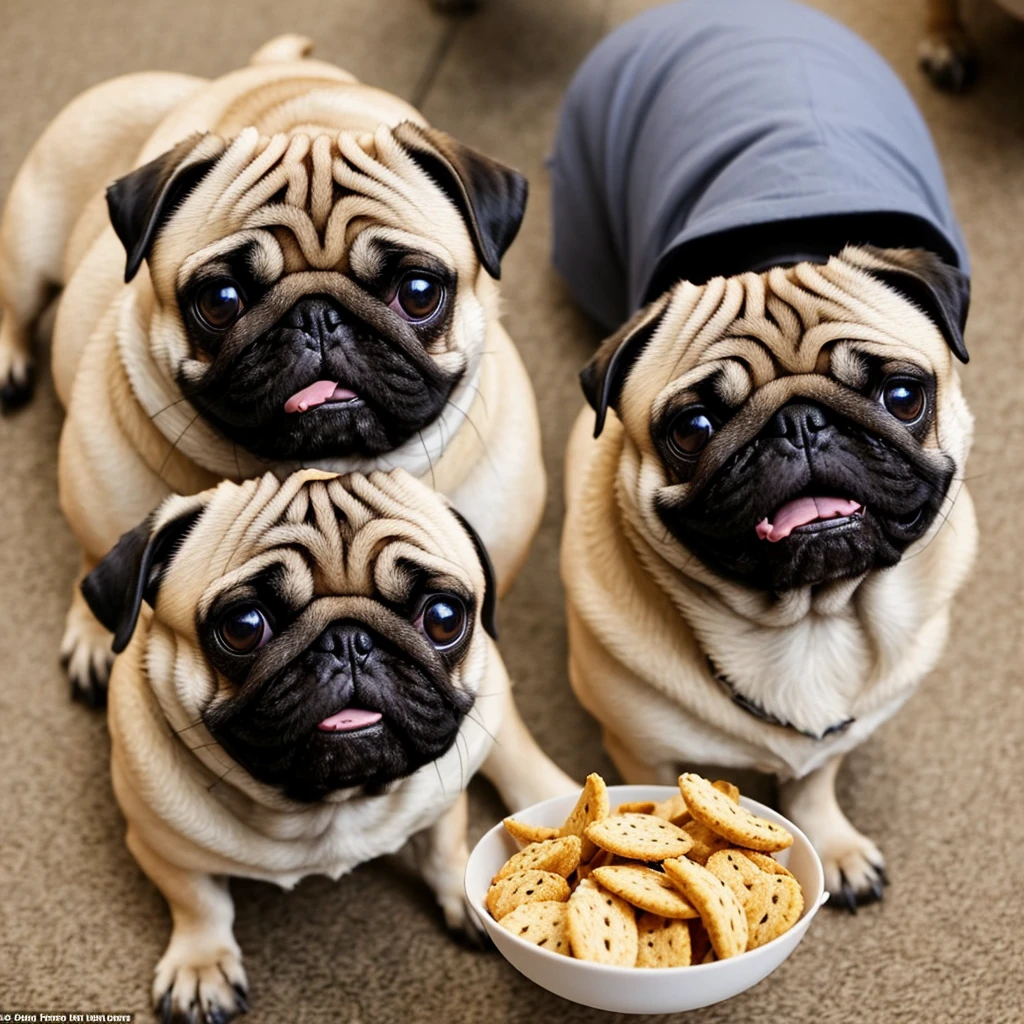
(690, 432)
(219, 304)
(244, 630)
(444, 620)
(419, 297)
(904, 398)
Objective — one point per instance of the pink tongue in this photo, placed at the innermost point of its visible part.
(350, 718)
(802, 511)
(316, 394)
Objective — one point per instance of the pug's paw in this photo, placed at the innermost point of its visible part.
(16, 377)
(86, 655)
(465, 927)
(199, 983)
(854, 869)
(949, 60)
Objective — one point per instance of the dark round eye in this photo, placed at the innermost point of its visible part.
(444, 620)
(219, 304)
(244, 630)
(419, 296)
(690, 432)
(905, 399)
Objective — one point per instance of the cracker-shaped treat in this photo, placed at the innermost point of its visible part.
(663, 942)
(591, 806)
(731, 821)
(543, 924)
(646, 889)
(525, 887)
(766, 862)
(562, 856)
(601, 926)
(639, 837)
(719, 909)
(705, 842)
(525, 834)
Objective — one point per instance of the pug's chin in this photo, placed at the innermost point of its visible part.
(332, 430)
(366, 759)
(815, 554)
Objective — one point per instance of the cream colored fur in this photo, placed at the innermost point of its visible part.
(644, 614)
(128, 441)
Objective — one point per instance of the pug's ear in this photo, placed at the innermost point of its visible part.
(131, 572)
(941, 291)
(490, 196)
(141, 201)
(489, 610)
(602, 378)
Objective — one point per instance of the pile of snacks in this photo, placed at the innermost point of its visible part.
(686, 881)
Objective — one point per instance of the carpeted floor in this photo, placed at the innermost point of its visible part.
(80, 928)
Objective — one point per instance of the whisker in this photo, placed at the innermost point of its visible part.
(169, 405)
(163, 465)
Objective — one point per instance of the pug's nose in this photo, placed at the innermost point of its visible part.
(316, 316)
(797, 422)
(344, 640)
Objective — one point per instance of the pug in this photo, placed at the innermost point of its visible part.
(309, 681)
(763, 544)
(309, 282)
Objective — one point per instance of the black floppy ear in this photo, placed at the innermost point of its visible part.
(602, 378)
(489, 611)
(141, 201)
(131, 572)
(490, 196)
(941, 291)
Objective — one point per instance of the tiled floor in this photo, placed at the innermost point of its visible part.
(938, 786)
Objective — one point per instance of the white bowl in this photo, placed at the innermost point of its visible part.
(631, 989)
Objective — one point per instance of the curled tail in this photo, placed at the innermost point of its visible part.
(282, 49)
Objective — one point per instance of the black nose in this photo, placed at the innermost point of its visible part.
(345, 639)
(316, 316)
(797, 422)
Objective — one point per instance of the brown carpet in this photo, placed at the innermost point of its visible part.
(80, 928)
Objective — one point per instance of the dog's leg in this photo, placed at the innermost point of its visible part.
(85, 649)
(200, 976)
(520, 771)
(854, 866)
(89, 143)
(440, 854)
(946, 54)
(634, 771)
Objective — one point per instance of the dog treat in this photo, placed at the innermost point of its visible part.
(766, 862)
(663, 942)
(735, 870)
(592, 806)
(601, 926)
(666, 883)
(543, 924)
(700, 944)
(529, 833)
(639, 836)
(562, 856)
(646, 889)
(727, 788)
(673, 809)
(721, 912)
(735, 823)
(525, 887)
(636, 807)
(705, 842)
(781, 909)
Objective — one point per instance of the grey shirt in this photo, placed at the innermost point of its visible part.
(715, 136)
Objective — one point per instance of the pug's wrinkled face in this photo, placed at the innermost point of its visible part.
(317, 297)
(327, 627)
(790, 428)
